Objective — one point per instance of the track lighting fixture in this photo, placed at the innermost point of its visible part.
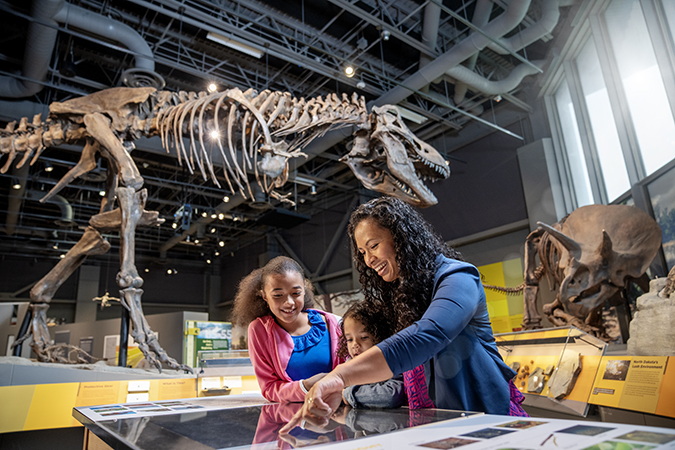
(349, 71)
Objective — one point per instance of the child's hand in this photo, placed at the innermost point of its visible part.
(311, 381)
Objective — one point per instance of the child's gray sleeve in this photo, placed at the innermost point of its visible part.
(386, 394)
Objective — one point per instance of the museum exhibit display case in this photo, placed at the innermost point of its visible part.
(555, 367)
(249, 422)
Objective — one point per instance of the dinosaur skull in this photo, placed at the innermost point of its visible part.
(598, 250)
(393, 161)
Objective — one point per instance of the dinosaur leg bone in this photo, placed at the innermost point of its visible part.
(99, 127)
(131, 207)
(143, 335)
(91, 243)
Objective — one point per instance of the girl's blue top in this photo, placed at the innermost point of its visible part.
(311, 351)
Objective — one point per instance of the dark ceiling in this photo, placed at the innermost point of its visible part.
(304, 46)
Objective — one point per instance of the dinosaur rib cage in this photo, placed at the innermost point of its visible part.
(255, 128)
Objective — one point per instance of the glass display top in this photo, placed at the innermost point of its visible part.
(194, 424)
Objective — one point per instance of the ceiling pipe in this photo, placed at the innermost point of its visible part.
(481, 84)
(432, 18)
(475, 42)
(78, 17)
(39, 48)
(42, 31)
(481, 16)
(550, 15)
(66, 219)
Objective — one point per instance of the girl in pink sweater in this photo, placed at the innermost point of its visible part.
(291, 346)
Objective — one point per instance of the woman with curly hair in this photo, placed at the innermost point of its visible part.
(291, 345)
(439, 307)
(364, 325)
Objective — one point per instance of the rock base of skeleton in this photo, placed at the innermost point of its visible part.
(652, 330)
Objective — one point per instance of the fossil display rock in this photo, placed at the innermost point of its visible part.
(652, 330)
(563, 380)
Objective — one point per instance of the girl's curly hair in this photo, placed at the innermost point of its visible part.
(372, 314)
(416, 244)
(248, 301)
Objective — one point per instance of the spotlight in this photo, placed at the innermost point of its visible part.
(215, 135)
(101, 193)
(174, 225)
(360, 85)
(147, 270)
(55, 246)
(498, 98)
(196, 241)
(214, 216)
(235, 218)
(169, 272)
(204, 214)
(221, 244)
(213, 87)
(216, 254)
(349, 70)
(221, 216)
(213, 230)
(48, 167)
(385, 35)
(16, 185)
(62, 255)
(226, 199)
(208, 261)
(312, 190)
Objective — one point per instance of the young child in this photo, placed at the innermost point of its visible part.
(364, 325)
(291, 346)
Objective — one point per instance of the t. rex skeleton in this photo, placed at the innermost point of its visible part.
(262, 131)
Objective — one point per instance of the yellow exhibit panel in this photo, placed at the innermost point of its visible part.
(51, 406)
(98, 393)
(636, 383)
(505, 311)
(15, 405)
(176, 388)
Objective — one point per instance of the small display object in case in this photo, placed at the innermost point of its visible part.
(555, 367)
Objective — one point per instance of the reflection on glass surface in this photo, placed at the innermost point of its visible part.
(642, 82)
(575, 155)
(612, 163)
(662, 196)
(257, 427)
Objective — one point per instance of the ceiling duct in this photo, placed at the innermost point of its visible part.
(42, 38)
(66, 219)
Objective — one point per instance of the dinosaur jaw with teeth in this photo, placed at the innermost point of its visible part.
(398, 166)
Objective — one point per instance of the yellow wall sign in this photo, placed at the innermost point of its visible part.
(636, 383)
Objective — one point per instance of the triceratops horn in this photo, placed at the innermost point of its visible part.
(605, 248)
(566, 241)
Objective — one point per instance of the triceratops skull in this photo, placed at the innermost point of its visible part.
(598, 249)
(390, 159)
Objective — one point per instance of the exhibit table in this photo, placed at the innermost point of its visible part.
(248, 421)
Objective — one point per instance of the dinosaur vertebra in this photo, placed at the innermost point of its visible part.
(256, 134)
